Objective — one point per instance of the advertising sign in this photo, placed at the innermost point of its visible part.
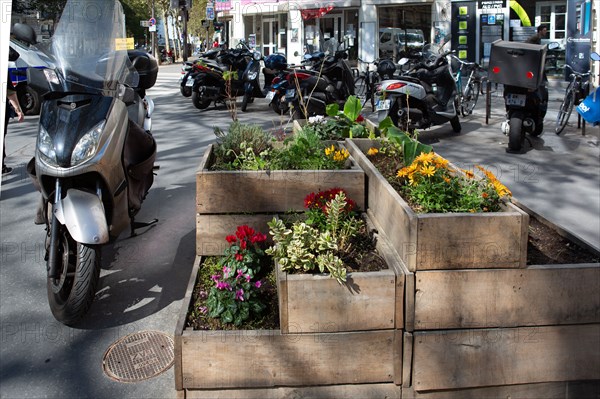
(579, 35)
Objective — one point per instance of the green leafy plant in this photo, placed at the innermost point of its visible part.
(234, 295)
(348, 123)
(318, 242)
(411, 147)
(238, 140)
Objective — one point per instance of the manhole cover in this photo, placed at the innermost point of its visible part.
(139, 356)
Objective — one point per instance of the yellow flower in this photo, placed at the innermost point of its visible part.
(341, 155)
(403, 172)
(372, 151)
(428, 170)
(447, 179)
(440, 162)
(329, 150)
(468, 173)
(425, 158)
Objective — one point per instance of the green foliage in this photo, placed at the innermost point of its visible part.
(411, 147)
(340, 125)
(236, 144)
(303, 248)
(247, 147)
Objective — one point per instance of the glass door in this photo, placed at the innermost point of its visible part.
(270, 29)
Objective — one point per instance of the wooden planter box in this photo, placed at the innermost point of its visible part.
(442, 241)
(262, 359)
(227, 199)
(370, 300)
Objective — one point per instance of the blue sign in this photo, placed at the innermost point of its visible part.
(210, 13)
(152, 21)
(491, 20)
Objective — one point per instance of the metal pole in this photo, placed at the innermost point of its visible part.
(185, 38)
(152, 34)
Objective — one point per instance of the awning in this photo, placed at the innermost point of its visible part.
(313, 13)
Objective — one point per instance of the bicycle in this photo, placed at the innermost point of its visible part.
(467, 97)
(364, 84)
(576, 91)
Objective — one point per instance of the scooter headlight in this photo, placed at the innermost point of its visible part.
(46, 147)
(87, 145)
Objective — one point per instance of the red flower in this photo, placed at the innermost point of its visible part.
(243, 244)
(258, 237)
(244, 231)
(360, 118)
(239, 257)
(231, 239)
(309, 200)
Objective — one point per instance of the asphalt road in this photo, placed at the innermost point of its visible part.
(143, 278)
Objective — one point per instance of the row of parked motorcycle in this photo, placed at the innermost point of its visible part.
(422, 96)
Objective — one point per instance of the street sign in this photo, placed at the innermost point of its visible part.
(145, 24)
(152, 21)
(152, 28)
(210, 12)
(124, 44)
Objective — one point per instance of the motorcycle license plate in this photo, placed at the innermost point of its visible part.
(270, 95)
(290, 94)
(189, 82)
(382, 105)
(516, 99)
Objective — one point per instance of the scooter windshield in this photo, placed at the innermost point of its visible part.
(89, 47)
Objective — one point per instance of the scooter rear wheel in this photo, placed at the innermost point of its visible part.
(515, 135)
(70, 295)
(199, 102)
(455, 122)
(185, 91)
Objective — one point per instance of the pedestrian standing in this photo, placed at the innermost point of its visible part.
(12, 109)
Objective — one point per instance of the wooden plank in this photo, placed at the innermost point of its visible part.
(407, 359)
(389, 391)
(317, 303)
(270, 191)
(398, 356)
(211, 230)
(181, 323)
(548, 390)
(478, 240)
(538, 295)
(409, 308)
(456, 359)
(238, 359)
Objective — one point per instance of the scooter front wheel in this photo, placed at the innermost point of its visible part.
(185, 91)
(70, 295)
(455, 122)
(515, 134)
(245, 101)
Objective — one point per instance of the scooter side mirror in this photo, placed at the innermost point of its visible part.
(296, 54)
(24, 33)
(403, 61)
(595, 56)
(553, 45)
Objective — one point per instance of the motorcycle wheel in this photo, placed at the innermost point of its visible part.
(515, 135)
(279, 107)
(71, 294)
(185, 91)
(539, 129)
(198, 101)
(29, 101)
(455, 122)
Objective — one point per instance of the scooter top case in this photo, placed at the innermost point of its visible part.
(517, 64)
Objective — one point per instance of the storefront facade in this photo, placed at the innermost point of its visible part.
(374, 29)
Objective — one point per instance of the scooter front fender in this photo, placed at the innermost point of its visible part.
(83, 215)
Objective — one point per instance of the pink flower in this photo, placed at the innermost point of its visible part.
(239, 295)
(215, 277)
(223, 286)
(239, 274)
(226, 271)
(247, 277)
(258, 284)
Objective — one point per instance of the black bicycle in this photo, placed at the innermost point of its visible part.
(577, 90)
(469, 93)
(364, 84)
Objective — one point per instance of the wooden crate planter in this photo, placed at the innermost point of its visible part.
(442, 241)
(370, 301)
(226, 199)
(267, 358)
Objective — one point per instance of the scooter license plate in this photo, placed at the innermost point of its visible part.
(382, 105)
(270, 95)
(518, 100)
(290, 94)
(189, 82)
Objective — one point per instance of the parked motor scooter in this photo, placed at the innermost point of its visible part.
(423, 97)
(330, 80)
(520, 68)
(250, 77)
(211, 83)
(274, 73)
(94, 156)
(189, 69)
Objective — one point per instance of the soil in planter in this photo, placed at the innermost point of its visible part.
(545, 245)
(197, 318)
